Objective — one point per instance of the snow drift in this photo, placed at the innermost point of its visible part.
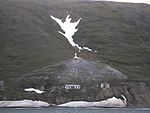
(35, 90)
(23, 103)
(111, 102)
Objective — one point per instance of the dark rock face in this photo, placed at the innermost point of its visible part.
(89, 75)
(137, 93)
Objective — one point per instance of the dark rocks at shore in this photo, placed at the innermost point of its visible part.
(92, 77)
(136, 92)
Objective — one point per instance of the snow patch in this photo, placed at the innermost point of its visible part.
(69, 29)
(129, 1)
(86, 48)
(35, 90)
(111, 102)
(23, 103)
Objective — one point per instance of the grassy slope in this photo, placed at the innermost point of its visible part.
(120, 32)
(29, 40)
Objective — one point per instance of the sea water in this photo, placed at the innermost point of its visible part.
(74, 110)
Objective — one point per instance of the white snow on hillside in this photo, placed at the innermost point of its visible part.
(35, 90)
(111, 102)
(69, 29)
(86, 48)
(23, 103)
(129, 1)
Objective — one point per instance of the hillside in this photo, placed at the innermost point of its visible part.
(118, 31)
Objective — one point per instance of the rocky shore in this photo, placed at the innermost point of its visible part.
(66, 81)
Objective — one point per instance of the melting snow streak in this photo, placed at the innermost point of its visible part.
(69, 29)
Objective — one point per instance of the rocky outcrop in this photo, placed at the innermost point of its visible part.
(137, 93)
(78, 71)
(97, 81)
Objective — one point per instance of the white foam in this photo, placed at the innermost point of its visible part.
(23, 103)
(111, 102)
(35, 90)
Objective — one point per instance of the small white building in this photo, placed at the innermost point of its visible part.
(71, 86)
(105, 85)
